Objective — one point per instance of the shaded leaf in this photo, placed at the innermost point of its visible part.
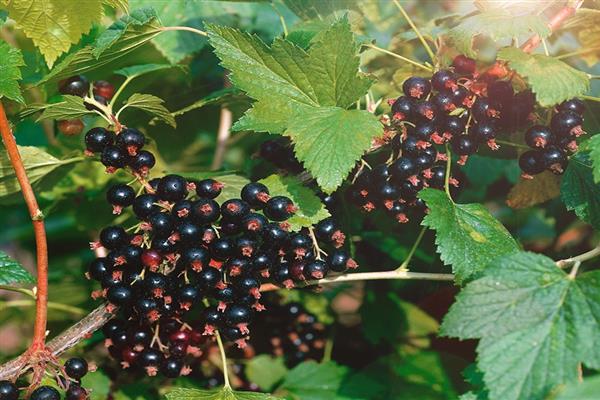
(265, 370)
(579, 192)
(594, 146)
(310, 208)
(137, 70)
(309, 9)
(98, 383)
(529, 192)
(70, 108)
(152, 105)
(220, 96)
(225, 393)
(312, 381)
(10, 73)
(588, 389)
(11, 272)
(467, 236)
(553, 81)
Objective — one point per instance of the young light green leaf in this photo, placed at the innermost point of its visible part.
(310, 208)
(283, 77)
(137, 22)
(579, 192)
(586, 390)
(54, 25)
(535, 322)
(552, 80)
(497, 24)
(11, 272)
(322, 141)
(467, 236)
(121, 5)
(225, 393)
(10, 74)
(70, 108)
(37, 164)
(594, 146)
(138, 70)
(151, 104)
(132, 37)
(309, 9)
(312, 381)
(265, 370)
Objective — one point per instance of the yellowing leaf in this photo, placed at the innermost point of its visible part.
(54, 25)
(529, 192)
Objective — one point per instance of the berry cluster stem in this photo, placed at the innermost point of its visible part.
(41, 316)
(588, 255)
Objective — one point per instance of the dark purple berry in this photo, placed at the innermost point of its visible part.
(45, 393)
(416, 87)
(142, 162)
(113, 237)
(145, 205)
(76, 85)
(532, 162)
(443, 80)
(161, 223)
(538, 136)
(235, 209)
(500, 91)
(566, 123)
(464, 65)
(574, 105)
(96, 139)
(403, 108)
(76, 367)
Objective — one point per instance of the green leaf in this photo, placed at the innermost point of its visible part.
(121, 5)
(309, 9)
(98, 383)
(383, 318)
(535, 324)
(313, 381)
(70, 108)
(283, 77)
(594, 146)
(588, 389)
(497, 24)
(310, 209)
(579, 192)
(138, 70)
(132, 37)
(134, 22)
(151, 104)
(11, 272)
(468, 237)
(225, 393)
(265, 370)
(37, 164)
(220, 96)
(322, 141)
(552, 80)
(10, 72)
(54, 25)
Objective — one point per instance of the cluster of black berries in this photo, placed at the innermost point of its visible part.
(552, 144)
(68, 378)
(78, 85)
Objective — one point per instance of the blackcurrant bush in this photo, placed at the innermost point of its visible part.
(150, 358)
(566, 123)
(8, 391)
(131, 140)
(539, 136)
(76, 85)
(99, 268)
(162, 224)
(142, 162)
(338, 260)
(113, 237)
(189, 233)
(416, 87)
(120, 195)
(172, 188)
(208, 188)
(254, 223)
(464, 65)
(532, 162)
(574, 105)
(209, 278)
(424, 130)
(464, 145)
(483, 131)
(403, 108)
(555, 159)
(443, 80)
(205, 211)
(426, 110)
(182, 210)
(444, 101)
(275, 235)
(256, 194)
(500, 91)
(76, 367)
(483, 109)
(45, 393)
(195, 258)
(237, 314)
(279, 208)
(316, 269)
(221, 248)
(145, 205)
(96, 139)
(235, 209)
(171, 367)
(113, 158)
(120, 295)
(403, 168)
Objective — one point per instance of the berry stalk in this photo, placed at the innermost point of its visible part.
(41, 315)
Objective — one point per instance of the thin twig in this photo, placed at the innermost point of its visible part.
(588, 255)
(416, 30)
(408, 60)
(184, 28)
(223, 134)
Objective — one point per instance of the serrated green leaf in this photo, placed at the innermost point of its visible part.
(138, 20)
(265, 370)
(309, 9)
(552, 80)
(313, 381)
(321, 137)
(283, 77)
(586, 390)
(594, 147)
(151, 104)
(138, 70)
(534, 322)
(70, 108)
(225, 393)
(578, 190)
(220, 96)
(54, 25)
(310, 208)
(10, 73)
(11, 272)
(37, 164)
(497, 24)
(129, 40)
(467, 236)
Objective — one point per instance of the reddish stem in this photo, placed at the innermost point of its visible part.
(39, 330)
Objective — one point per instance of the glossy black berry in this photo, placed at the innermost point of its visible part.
(189, 233)
(424, 130)
(464, 145)
(162, 224)
(246, 284)
(145, 205)
(410, 146)
(555, 159)
(172, 188)
(171, 367)
(182, 210)
(235, 209)
(316, 269)
(76, 392)
(438, 176)
(221, 248)
(237, 314)
(114, 325)
(483, 131)
(188, 294)
(76, 85)
(424, 161)
(142, 162)
(254, 223)
(453, 125)
(281, 273)
(275, 235)
(226, 294)
(539, 136)
(209, 277)
(279, 208)
(131, 140)
(565, 123)
(113, 157)
(96, 139)
(164, 245)
(45, 393)
(76, 367)
(208, 188)
(427, 111)
(443, 80)
(205, 211)
(99, 268)
(459, 95)
(120, 295)
(256, 194)
(230, 227)
(532, 162)
(464, 65)
(574, 105)
(120, 195)
(113, 237)
(212, 316)
(416, 87)
(403, 168)
(403, 108)
(325, 229)
(444, 101)
(195, 257)
(8, 391)
(483, 109)
(150, 358)
(338, 260)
